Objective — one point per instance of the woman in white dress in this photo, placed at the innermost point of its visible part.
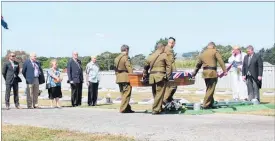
(239, 87)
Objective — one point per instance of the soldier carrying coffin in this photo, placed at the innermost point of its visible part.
(160, 72)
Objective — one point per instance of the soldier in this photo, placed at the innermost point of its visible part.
(123, 68)
(208, 59)
(170, 90)
(160, 71)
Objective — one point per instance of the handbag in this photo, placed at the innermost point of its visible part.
(48, 85)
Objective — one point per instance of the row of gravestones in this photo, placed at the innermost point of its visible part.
(108, 100)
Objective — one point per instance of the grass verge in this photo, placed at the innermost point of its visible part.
(30, 133)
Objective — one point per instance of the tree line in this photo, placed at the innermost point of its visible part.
(105, 60)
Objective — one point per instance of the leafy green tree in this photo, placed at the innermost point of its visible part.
(165, 42)
(44, 61)
(138, 60)
(62, 62)
(268, 54)
(106, 60)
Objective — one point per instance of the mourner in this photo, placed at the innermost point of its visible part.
(34, 76)
(170, 90)
(10, 73)
(208, 60)
(54, 79)
(160, 71)
(123, 68)
(92, 80)
(75, 78)
(252, 73)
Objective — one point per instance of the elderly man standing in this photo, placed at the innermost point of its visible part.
(252, 73)
(239, 87)
(34, 76)
(75, 78)
(10, 73)
(92, 80)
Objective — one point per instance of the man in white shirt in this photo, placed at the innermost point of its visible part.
(239, 87)
(92, 80)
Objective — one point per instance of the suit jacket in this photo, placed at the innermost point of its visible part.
(255, 67)
(28, 72)
(74, 71)
(10, 73)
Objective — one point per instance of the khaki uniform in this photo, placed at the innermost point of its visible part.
(208, 60)
(123, 69)
(160, 72)
(170, 90)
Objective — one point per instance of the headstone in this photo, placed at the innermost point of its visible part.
(146, 101)
(201, 91)
(197, 106)
(269, 93)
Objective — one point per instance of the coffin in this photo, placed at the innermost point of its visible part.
(136, 80)
(178, 79)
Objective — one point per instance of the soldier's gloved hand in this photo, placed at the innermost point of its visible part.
(170, 78)
(193, 75)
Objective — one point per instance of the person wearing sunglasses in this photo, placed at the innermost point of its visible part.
(10, 73)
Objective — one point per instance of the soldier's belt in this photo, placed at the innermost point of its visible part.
(154, 72)
(209, 68)
(121, 71)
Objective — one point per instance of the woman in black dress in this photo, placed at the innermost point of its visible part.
(54, 80)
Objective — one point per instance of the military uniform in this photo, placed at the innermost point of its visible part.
(159, 73)
(170, 90)
(123, 69)
(208, 60)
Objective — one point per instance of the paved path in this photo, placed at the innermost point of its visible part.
(145, 126)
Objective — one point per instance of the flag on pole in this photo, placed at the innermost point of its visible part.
(4, 23)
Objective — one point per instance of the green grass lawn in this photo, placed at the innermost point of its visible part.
(29, 133)
(139, 96)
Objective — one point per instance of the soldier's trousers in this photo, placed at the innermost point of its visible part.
(159, 89)
(125, 90)
(210, 89)
(169, 93)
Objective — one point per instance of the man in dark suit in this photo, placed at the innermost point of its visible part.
(75, 78)
(34, 76)
(252, 73)
(10, 73)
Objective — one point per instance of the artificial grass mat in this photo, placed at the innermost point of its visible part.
(230, 109)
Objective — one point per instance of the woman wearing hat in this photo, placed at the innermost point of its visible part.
(239, 87)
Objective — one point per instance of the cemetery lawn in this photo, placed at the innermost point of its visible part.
(30, 133)
(139, 96)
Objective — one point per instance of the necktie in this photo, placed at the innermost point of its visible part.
(249, 59)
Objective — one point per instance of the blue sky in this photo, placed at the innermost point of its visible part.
(58, 28)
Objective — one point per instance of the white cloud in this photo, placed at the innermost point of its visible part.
(101, 35)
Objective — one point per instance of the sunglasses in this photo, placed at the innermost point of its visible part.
(13, 56)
